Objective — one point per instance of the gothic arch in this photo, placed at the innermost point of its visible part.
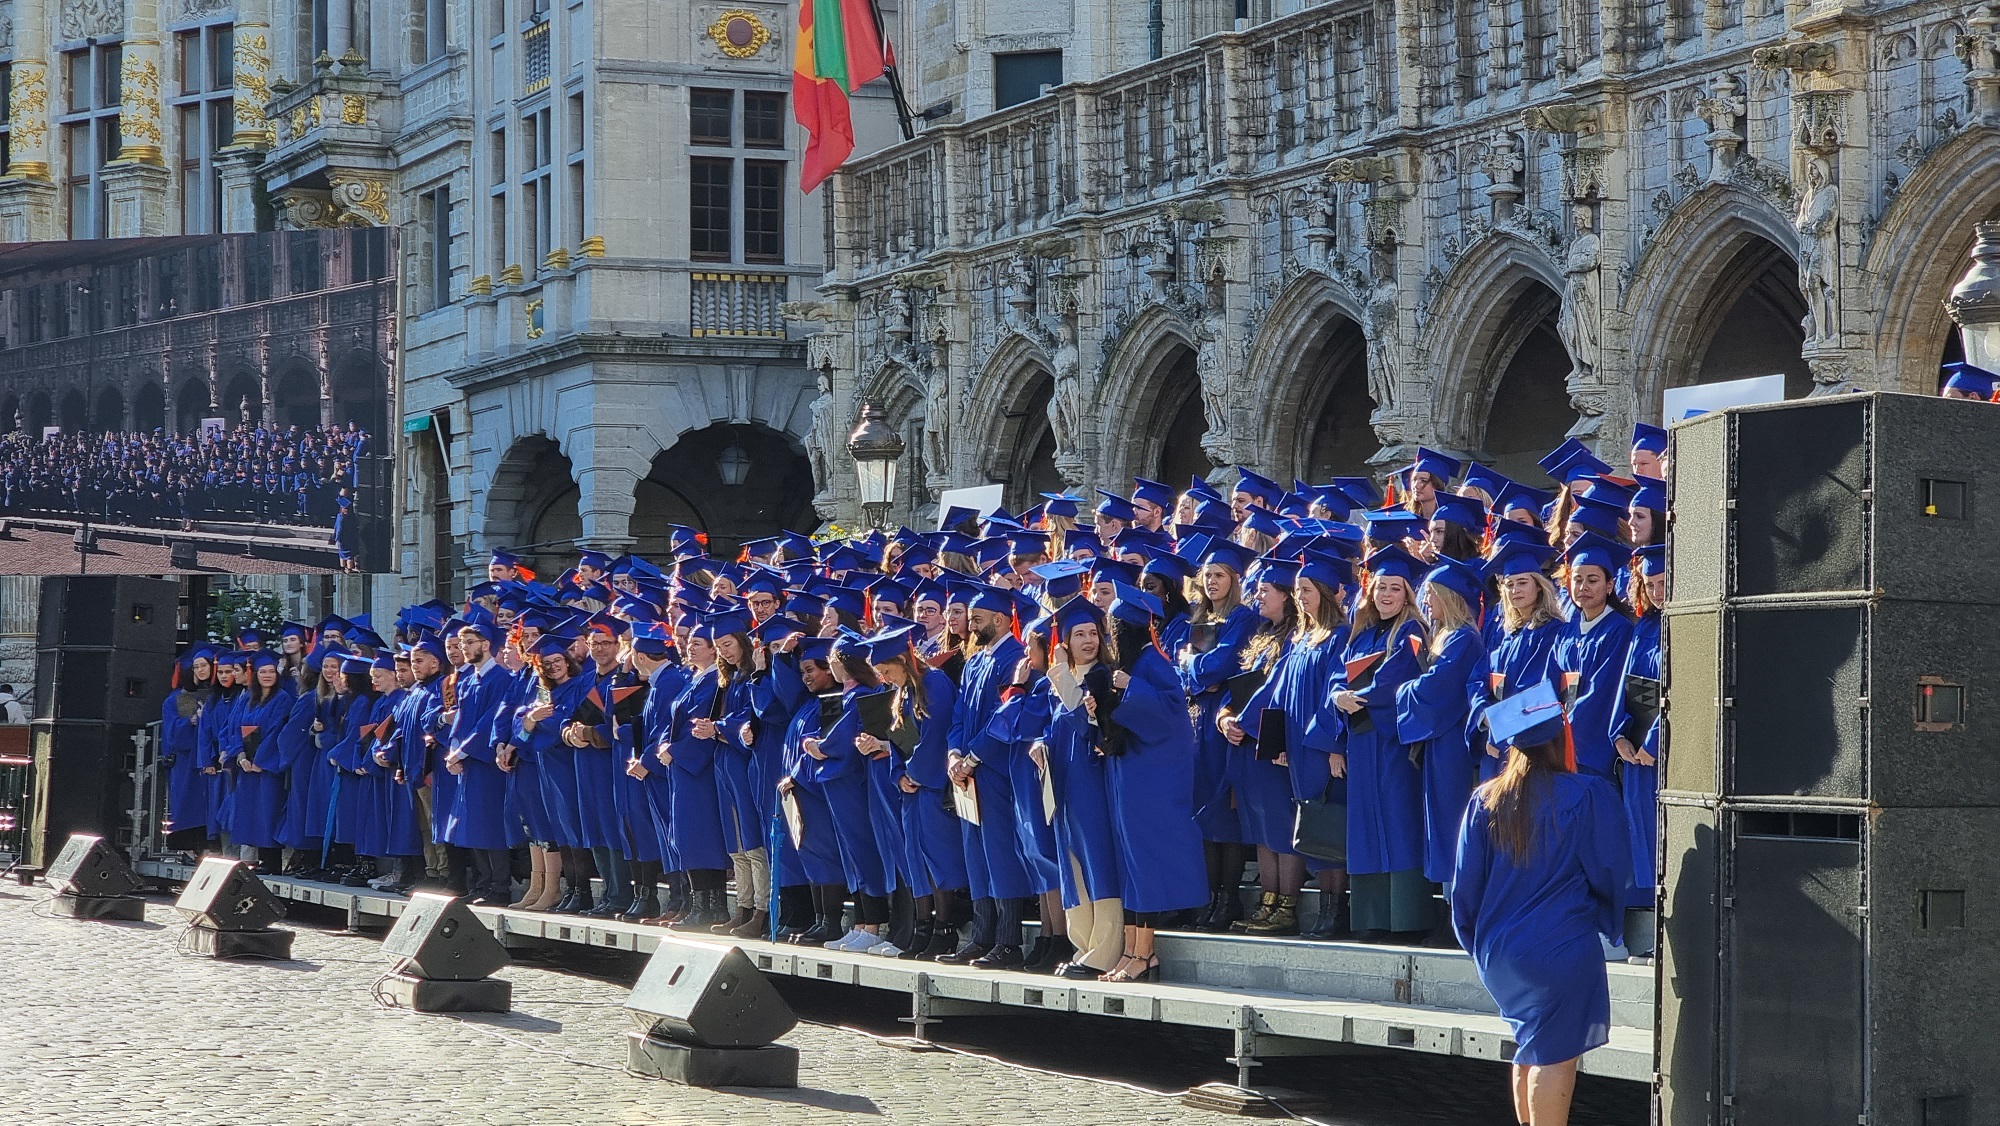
(533, 489)
(1699, 264)
(1303, 353)
(1919, 251)
(1013, 391)
(1474, 331)
(1139, 396)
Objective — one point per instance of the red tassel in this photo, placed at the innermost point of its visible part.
(526, 573)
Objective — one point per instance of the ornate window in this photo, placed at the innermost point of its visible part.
(727, 224)
(205, 116)
(92, 96)
(537, 185)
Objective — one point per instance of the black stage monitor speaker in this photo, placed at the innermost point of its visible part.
(226, 896)
(710, 996)
(438, 938)
(88, 865)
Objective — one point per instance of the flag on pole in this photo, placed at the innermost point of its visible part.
(839, 51)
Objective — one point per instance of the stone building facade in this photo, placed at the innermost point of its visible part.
(1309, 242)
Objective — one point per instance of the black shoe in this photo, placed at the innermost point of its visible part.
(1003, 957)
(1332, 925)
(787, 934)
(920, 940)
(580, 904)
(1374, 937)
(1077, 971)
(1204, 919)
(705, 911)
(609, 909)
(968, 954)
(1408, 938)
(1036, 957)
(643, 908)
(566, 904)
(1060, 951)
(756, 926)
(1231, 911)
(736, 919)
(819, 933)
(943, 941)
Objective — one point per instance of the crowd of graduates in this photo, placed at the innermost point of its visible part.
(1098, 719)
(253, 473)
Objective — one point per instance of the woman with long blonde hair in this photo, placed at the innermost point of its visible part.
(1259, 783)
(1431, 712)
(1220, 627)
(1530, 621)
(1389, 897)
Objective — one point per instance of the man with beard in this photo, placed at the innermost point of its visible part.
(478, 821)
(998, 877)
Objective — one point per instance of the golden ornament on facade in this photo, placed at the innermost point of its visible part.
(511, 275)
(353, 109)
(480, 286)
(534, 319)
(361, 197)
(740, 34)
(556, 260)
(590, 246)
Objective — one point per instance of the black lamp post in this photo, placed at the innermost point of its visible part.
(877, 450)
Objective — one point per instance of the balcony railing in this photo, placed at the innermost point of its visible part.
(737, 304)
(535, 59)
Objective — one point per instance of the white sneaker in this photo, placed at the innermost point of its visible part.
(885, 949)
(846, 941)
(859, 942)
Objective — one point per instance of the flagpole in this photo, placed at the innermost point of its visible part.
(903, 115)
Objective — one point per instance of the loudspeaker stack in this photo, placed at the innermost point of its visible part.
(708, 1017)
(1830, 802)
(444, 958)
(92, 881)
(230, 912)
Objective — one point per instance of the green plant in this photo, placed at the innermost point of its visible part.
(237, 609)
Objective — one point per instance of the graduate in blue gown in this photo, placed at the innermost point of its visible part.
(1073, 752)
(1531, 621)
(1431, 714)
(1638, 745)
(478, 821)
(524, 805)
(1588, 663)
(1315, 730)
(358, 803)
(997, 876)
(643, 787)
(187, 787)
(814, 861)
(743, 785)
(694, 834)
(260, 782)
(1022, 720)
(406, 755)
(1149, 782)
(1541, 873)
(211, 729)
(842, 758)
(1389, 897)
(1220, 627)
(1260, 779)
(308, 777)
(933, 849)
(547, 761)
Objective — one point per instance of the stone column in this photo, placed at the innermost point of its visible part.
(339, 27)
(252, 66)
(608, 470)
(27, 195)
(135, 184)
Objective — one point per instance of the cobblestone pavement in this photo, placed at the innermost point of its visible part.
(106, 1023)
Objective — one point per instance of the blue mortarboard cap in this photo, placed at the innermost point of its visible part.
(1060, 579)
(814, 649)
(1393, 560)
(1258, 485)
(1579, 464)
(1646, 436)
(1277, 572)
(1363, 491)
(1466, 512)
(1115, 507)
(1554, 458)
(261, 659)
(1331, 498)
(1651, 493)
(295, 629)
(775, 628)
(804, 603)
(846, 599)
(955, 516)
(1528, 718)
(552, 645)
(1611, 490)
(655, 639)
(1168, 565)
(917, 554)
(763, 581)
(1082, 539)
(1524, 498)
(1060, 504)
(1153, 492)
(1969, 380)
(1028, 543)
(1597, 515)
(1392, 525)
(719, 625)
(1114, 571)
(1234, 556)
(367, 638)
(356, 665)
(1442, 467)
(890, 590)
(980, 596)
(1295, 504)
(1461, 579)
(1135, 606)
(886, 647)
(431, 645)
(595, 559)
(1330, 570)
(1486, 480)
(503, 558)
(1201, 487)
(606, 623)
(1519, 557)
(1076, 612)
(248, 637)
(1264, 520)
(989, 551)
(1652, 559)
(332, 624)
(1591, 548)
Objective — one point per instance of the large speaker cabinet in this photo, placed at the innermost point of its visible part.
(1830, 796)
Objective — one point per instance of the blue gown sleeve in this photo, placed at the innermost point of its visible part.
(1469, 872)
(1431, 703)
(1606, 856)
(842, 756)
(1399, 664)
(1204, 671)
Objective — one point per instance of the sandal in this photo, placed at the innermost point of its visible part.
(1149, 969)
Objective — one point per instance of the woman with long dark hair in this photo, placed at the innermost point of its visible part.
(687, 748)
(357, 804)
(1588, 663)
(306, 790)
(1258, 777)
(744, 787)
(1542, 867)
(218, 712)
(933, 847)
(188, 811)
(1072, 751)
(1220, 627)
(841, 767)
(1638, 744)
(260, 785)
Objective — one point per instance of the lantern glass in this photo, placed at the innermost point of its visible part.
(1982, 345)
(877, 479)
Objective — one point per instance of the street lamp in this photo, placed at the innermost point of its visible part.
(876, 450)
(1975, 301)
(733, 465)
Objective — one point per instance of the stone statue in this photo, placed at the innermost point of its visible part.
(1379, 322)
(1211, 365)
(937, 412)
(821, 438)
(1066, 402)
(1724, 110)
(1818, 224)
(1577, 323)
(243, 412)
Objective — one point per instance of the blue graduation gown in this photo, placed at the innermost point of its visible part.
(993, 865)
(1022, 719)
(1431, 711)
(1385, 790)
(1078, 773)
(414, 712)
(1314, 723)
(816, 860)
(1519, 661)
(260, 794)
(217, 713)
(552, 761)
(1266, 791)
(933, 848)
(1591, 667)
(1639, 786)
(187, 786)
(298, 758)
(525, 806)
(444, 784)
(866, 861)
(357, 816)
(1533, 928)
(737, 774)
(605, 796)
(694, 828)
(479, 807)
(1203, 676)
(1150, 788)
(646, 804)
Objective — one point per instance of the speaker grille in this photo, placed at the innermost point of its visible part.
(1691, 857)
(1700, 486)
(1798, 675)
(1694, 658)
(1801, 515)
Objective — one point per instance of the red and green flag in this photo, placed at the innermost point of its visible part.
(839, 52)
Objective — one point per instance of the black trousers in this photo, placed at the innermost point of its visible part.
(997, 922)
(492, 874)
